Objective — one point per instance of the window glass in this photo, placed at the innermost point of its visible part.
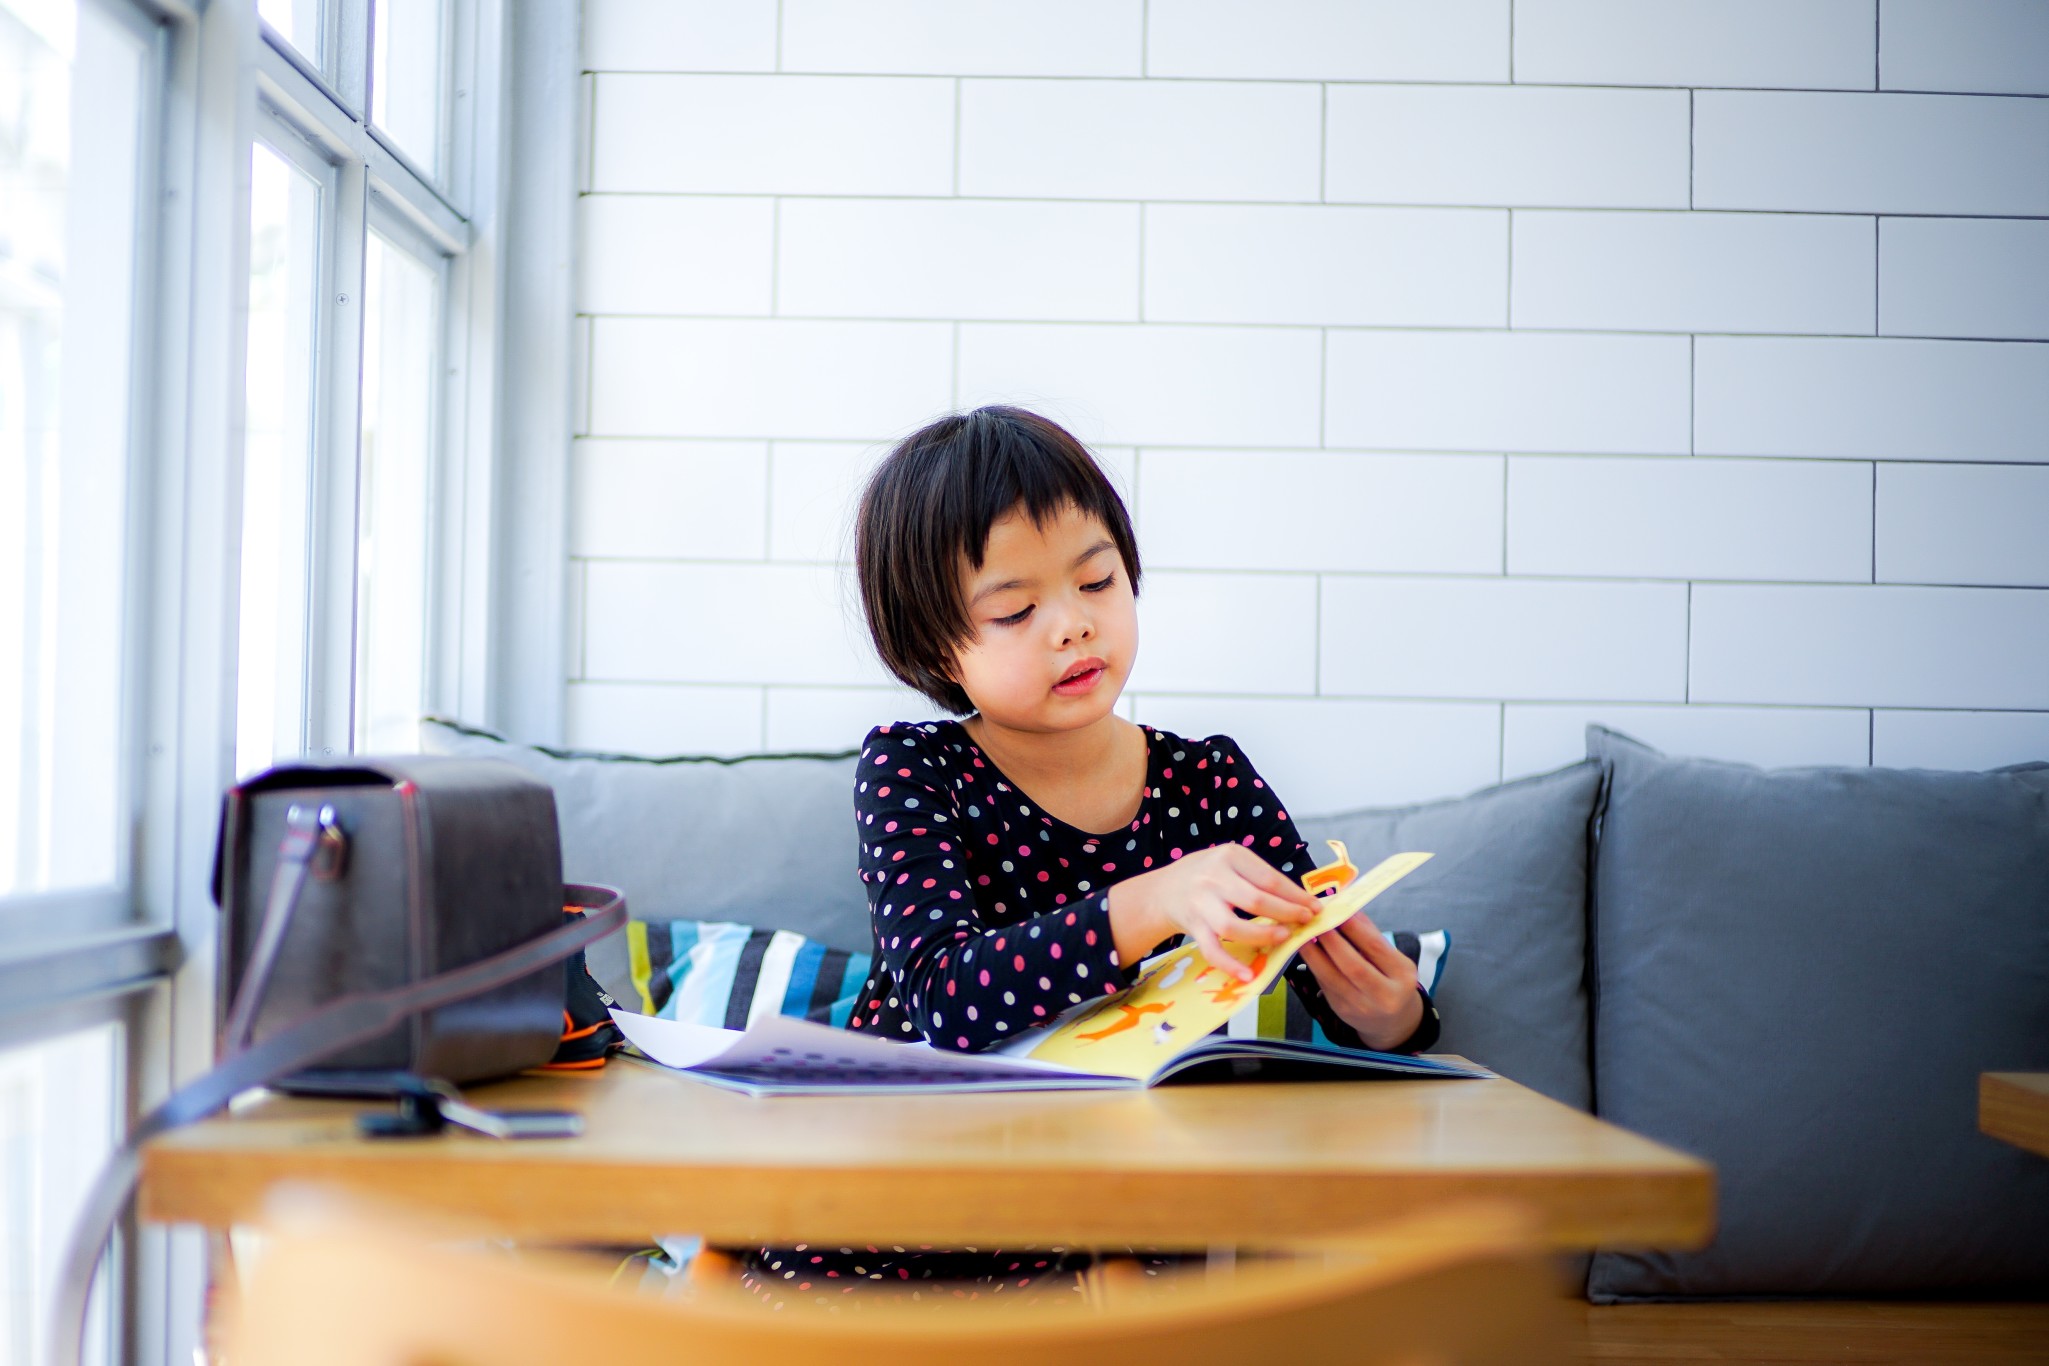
(401, 321)
(277, 444)
(298, 22)
(406, 65)
(58, 1112)
(72, 94)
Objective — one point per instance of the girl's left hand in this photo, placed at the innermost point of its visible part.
(1369, 982)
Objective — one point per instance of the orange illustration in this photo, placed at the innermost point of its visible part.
(1229, 993)
(1132, 1015)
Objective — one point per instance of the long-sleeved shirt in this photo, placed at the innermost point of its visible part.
(991, 916)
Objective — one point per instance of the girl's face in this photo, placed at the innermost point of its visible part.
(1056, 627)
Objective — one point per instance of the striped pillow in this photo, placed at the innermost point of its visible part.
(1280, 1014)
(711, 972)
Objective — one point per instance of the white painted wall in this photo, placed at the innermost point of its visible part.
(1475, 369)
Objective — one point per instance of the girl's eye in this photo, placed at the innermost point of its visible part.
(1100, 584)
(1014, 618)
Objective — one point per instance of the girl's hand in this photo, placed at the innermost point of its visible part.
(1200, 896)
(1369, 982)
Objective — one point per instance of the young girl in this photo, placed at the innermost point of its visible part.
(1031, 856)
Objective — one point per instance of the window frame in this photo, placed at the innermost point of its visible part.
(141, 955)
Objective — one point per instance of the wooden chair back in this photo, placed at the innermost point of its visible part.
(1469, 1284)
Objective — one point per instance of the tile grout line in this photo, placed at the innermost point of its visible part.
(1689, 148)
(775, 256)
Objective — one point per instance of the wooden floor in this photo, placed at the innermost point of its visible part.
(1816, 1331)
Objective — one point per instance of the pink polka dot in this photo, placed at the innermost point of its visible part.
(1038, 1010)
(931, 882)
(897, 857)
(1024, 851)
(882, 792)
(1247, 841)
(1017, 963)
(1175, 854)
(1044, 875)
(1070, 917)
(903, 773)
(890, 826)
(949, 987)
(1109, 867)
(881, 759)
(992, 839)
(1056, 950)
(1091, 937)
(1274, 843)
(985, 977)
(1232, 782)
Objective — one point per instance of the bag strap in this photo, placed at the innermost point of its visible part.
(334, 1027)
(305, 832)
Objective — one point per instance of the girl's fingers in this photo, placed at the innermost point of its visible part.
(1253, 900)
(1268, 878)
(1237, 928)
(1216, 956)
(1375, 948)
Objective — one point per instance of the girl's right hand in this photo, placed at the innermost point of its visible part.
(1200, 896)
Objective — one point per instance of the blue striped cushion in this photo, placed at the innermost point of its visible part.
(728, 975)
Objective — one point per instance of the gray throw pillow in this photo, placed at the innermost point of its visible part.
(767, 840)
(1799, 975)
(1509, 883)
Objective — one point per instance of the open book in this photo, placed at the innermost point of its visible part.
(1158, 1028)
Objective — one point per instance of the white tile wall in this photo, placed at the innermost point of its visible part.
(721, 255)
(663, 719)
(929, 258)
(1329, 40)
(1959, 739)
(1244, 263)
(1139, 139)
(1690, 519)
(1991, 46)
(1965, 524)
(668, 499)
(1540, 736)
(668, 377)
(1480, 144)
(1169, 386)
(1843, 153)
(773, 134)
(1694, 272)
(1807, 44)
(1361, 303)
(1893, 400)
(1518, 391)
(1248, 633)
(1503, 638)
(1874, 646)
(1322, 510)
(679, 35)
(1332, 754)
(1963, 277)
(965, 37)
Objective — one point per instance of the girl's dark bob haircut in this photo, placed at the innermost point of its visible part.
(928, 508)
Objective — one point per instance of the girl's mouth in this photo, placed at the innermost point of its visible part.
(1085, 674)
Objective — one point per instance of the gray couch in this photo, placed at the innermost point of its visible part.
(1797, 974)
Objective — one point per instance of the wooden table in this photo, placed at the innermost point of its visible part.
(1174, 1167)
(2014, 1106)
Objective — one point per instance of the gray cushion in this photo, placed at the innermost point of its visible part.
(1509, 883)
(1800, 974)
(768, 840)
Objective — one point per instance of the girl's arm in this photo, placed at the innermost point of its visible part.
(1251, 812)
(970, 984)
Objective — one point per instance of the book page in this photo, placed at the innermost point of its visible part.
(1182, 998)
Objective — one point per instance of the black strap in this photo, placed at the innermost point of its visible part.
(338, 1025)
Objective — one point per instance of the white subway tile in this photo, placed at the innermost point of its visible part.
(1665, 518)
(1323, 510)
(1329, 40)
(1512, 391)
(965, 37)
(1991, 47)
(1242, 633)
(1963, 277)
(1964, 524)
(668, 377)
(661, 720)
(698, 500)
(1244, 263)
(580, 377)
(725, 623)
(773, 135)
(813, 489)
(1808, 44)
(679, 35)
(1877, 399)
(573, 597)
(1839, 153)
(1330, 754)
(1537, 737)
(1533, 639)
(827, 720)
(1010, 259)
(1514, 145)
(662, 254)
(1693, 272)
(1151, 385)
(1959, 739)
(1139, 139)
(1871, 646)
